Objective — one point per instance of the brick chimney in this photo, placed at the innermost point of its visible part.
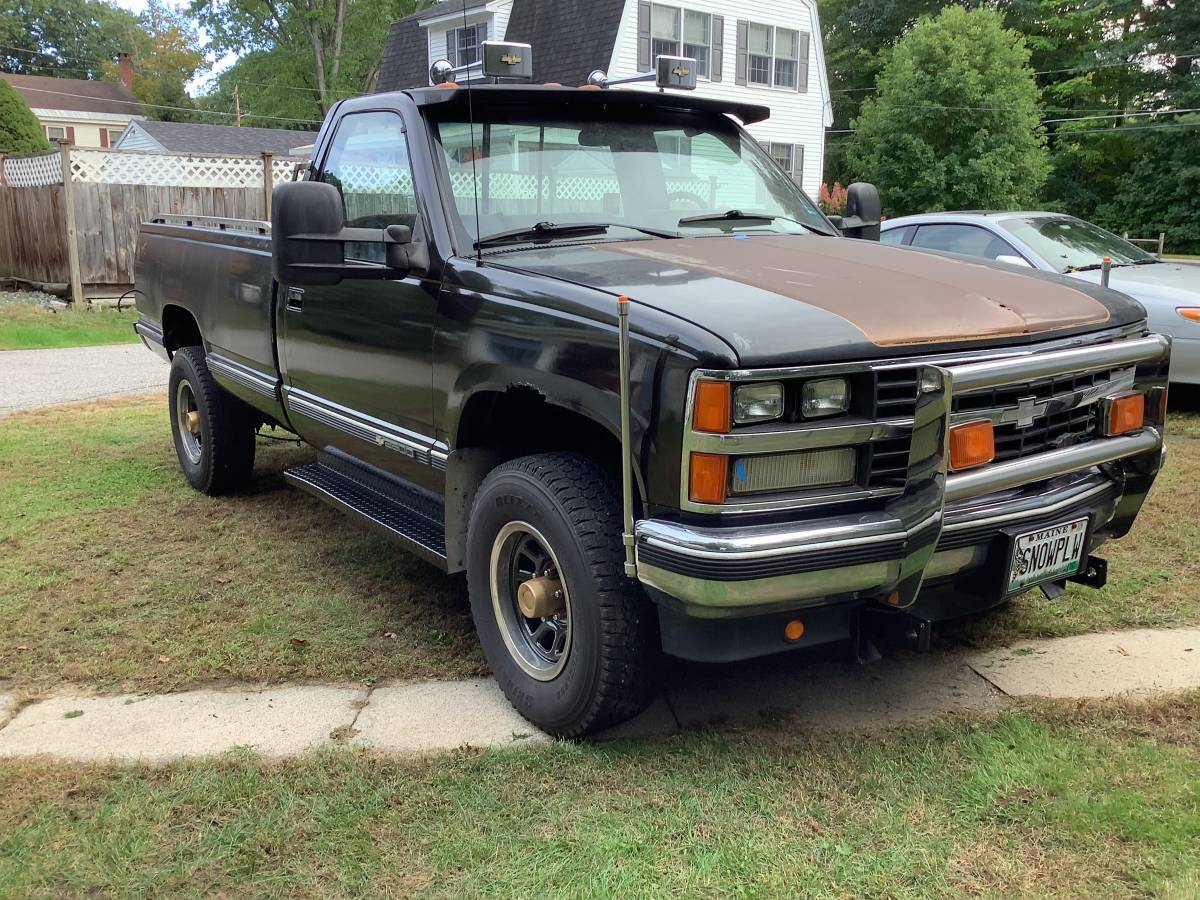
(125, 70)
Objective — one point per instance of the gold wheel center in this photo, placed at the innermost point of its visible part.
(192, 420)
(540, 598)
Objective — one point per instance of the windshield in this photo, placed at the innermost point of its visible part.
(630, 174)
(1069, 244)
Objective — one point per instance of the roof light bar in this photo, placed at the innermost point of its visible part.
(678, 72)
(501, 59)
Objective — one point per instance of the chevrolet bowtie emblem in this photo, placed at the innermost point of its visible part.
(1026, 411)
(681, 72)
(511, 60)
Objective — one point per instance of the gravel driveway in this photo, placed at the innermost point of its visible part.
(32, 378)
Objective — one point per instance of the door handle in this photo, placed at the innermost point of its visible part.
(295, 299)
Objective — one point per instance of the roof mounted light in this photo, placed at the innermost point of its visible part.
(501, 59)
(678, 72)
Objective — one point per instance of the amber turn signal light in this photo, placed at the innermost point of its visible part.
(714, 407)
(972, 444)
(1126, 413)
(1189, 312)
(793, 631)
(708, 478)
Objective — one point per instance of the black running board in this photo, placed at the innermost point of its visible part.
(405, 515)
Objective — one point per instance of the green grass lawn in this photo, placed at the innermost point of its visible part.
(111, 563)
(1053, 800)
(116, 575)
(27, 327)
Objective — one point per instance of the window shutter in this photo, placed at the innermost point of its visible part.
(716, 66)
(103, 137)
(643, 37)
(483, 36)
(71, 134)
(798, 165)
(802, 81)
(743, 37)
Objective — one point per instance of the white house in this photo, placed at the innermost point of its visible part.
(80, 112)
(767, 52)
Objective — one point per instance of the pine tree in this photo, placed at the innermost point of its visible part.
(20, 131)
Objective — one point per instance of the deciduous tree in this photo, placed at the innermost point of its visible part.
(954, 124)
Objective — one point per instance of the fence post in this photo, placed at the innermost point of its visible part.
(1162, 240)
(268, 184)
(72, 236)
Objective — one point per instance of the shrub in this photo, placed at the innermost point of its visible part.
(20, 131)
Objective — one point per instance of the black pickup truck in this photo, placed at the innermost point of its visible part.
(593, 348)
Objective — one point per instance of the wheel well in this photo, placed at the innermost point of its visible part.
(180, 329)
(496, 426)
(520, 421)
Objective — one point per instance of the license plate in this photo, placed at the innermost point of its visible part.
(1048, 554)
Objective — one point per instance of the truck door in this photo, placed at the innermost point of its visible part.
(357, 356)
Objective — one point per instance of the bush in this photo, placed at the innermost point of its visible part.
(832, 200)
(20, 131)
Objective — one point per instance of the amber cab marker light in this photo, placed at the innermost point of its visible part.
(972, 444)
(708, 478)
(1126, 414)
(713, 411)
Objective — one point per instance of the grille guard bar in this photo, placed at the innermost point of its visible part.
(915, 516)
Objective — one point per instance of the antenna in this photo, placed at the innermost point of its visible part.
(474, 155)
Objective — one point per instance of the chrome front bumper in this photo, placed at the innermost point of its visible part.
(940, 526)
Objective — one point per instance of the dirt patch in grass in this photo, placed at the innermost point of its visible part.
(1050, 800)
(25, 326)
(118, 576)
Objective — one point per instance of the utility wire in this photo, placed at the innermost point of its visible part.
(213, 112)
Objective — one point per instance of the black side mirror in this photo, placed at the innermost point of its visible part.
(309, 238)
(864, 212)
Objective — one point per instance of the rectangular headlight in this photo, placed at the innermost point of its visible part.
(757, 402)
(825, 397)
(794, 471)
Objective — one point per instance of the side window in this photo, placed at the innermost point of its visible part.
(896, 236)
(368, 163)
(970, 240)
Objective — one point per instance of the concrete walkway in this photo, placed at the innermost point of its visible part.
(416, 718)
(33, 378)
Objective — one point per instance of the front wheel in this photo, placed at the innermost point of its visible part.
(213, 431)
(572, 642)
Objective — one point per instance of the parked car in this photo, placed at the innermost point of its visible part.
(595, 349)
(1052, 242)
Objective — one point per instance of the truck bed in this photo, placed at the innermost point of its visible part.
(219, 271)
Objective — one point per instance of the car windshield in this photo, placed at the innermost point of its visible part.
(682, 175)
(1069, 244)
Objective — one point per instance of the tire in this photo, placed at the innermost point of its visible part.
(607, 669)
(218, 457)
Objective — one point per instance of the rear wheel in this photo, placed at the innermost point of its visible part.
(572, 642)
(213, 431)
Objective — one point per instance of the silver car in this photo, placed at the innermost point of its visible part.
(1053, 242)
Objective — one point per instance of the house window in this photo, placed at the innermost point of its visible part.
(784, 154)
(464, 46)
(56, 132)
(114, 135)
(676, 32)
(773, 56)
(790, 158)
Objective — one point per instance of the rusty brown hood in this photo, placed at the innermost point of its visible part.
(893, 296)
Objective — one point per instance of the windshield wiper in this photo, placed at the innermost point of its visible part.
(1146, 262)
(548, 231)
(737, 215)
(1091, 267)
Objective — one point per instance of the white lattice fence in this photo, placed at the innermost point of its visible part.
(175, 169)
(33, 171)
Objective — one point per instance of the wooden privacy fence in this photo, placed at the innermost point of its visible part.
(72, 217)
